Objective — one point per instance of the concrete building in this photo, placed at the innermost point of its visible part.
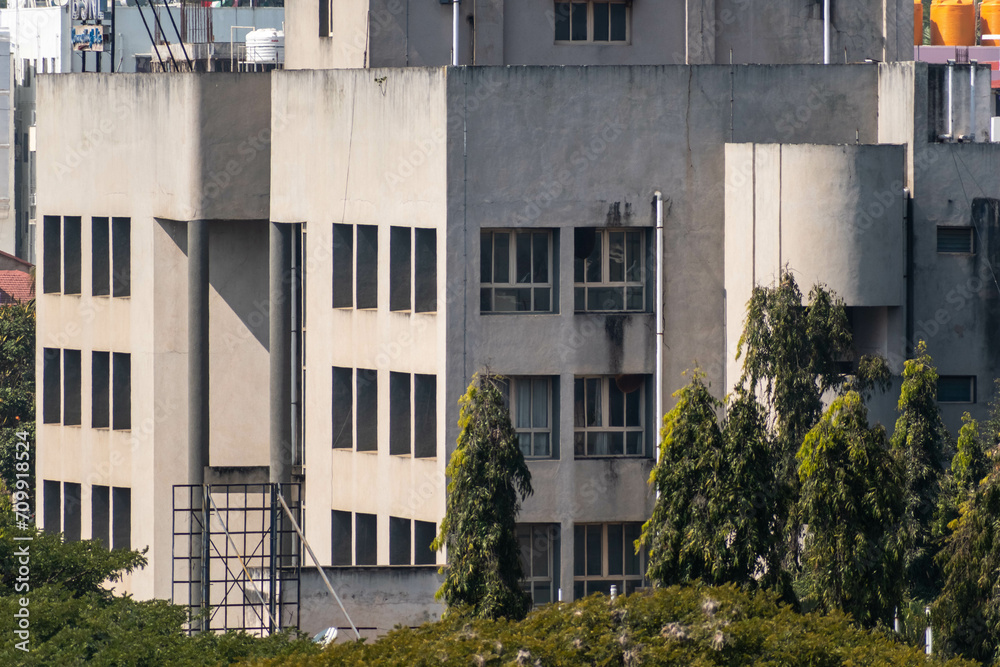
(300, 272)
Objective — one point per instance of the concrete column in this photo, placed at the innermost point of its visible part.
(280, 349)
(198, 447)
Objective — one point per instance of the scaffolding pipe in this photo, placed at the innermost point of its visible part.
(972, 100)
(658, 308)
(329, 586)
(454, 32)
(826, 32)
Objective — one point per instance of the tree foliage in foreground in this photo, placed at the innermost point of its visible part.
(853, 505)
(487, 480)
(712, 519)
(678, 626)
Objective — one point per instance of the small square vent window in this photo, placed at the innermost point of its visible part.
(955, 240)
(957, 389)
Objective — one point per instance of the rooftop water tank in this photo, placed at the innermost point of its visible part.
(953, 23)
(918, 22)
(989, 21)
(266, 45)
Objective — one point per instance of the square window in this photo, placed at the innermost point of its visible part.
(608, 416)
(609, 270)
(604, 556)
(956, 240)
(516, 269)
(956, 389)
(591, 22)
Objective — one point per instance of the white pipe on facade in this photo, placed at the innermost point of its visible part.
(826, 32)
(658, 310)
(951, 115)
(454, 32)
(972, 100)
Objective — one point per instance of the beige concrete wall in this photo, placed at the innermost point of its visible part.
(183, 147)
(364, 147)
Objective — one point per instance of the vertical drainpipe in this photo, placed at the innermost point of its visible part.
(198, 445)
(826, 32)
(658, 314)
(454, 32)
(951, 112)
(280, 351)
(972, 100)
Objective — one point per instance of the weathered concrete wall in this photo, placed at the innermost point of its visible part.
(364, 147)
(832, 215)
(183, 147)
(377, 599)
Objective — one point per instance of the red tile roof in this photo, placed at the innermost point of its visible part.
(16, 286)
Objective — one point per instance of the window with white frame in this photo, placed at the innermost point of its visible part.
(530, 402)
(594, 21)
(539, 543)
(516, 271)
(609, 270)
(604, 556)
(608, 416)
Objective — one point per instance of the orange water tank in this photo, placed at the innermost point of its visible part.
(989, 21)
(918, 22)
(953, 23)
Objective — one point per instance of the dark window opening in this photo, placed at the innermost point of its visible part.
(52, 255)
(367, 292)
(399, 413)
(122, 518)
(121, 256)
(343, 269)
(340, 536)
(342, 413)
(425, 277)
(365, 539)
(367, 381)
(51, 386)
(399, 268)
(72, 255)
(71, 387)
(424, 415)
(51, 494)
(121, 387)
(100, 414)
(325, 16)
(956, 389)
(399, 541)
(100, 514)
(958, 240)
(101, 257)
(424, 533)
(71, 512)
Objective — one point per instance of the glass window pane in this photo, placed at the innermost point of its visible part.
(579, 298)
(579, 552)
(618, 18)
(631, 585)
(540, 257)
(541, 444)
(523, 242)
(523, 389)
(543, 593)
(524, 542)
(597, 444)
(501, 257)
(485, 257)
(634, 299)
(562, 21)
(632, 531)
(594, 413)
(540, 546)
(505, 300)
(540, 403)
(578, 402)
(616, 256)
(524, 442)
(542, 300)
(600, 21)
(633, 256)
(616, 404)
(579, 590)
(579, 21)
(614, 549)
(632, 409)
(633, 443)
(524, 299)
(485, 300)
(604, 298)
(616, 443)
(579, 438)
(599, 587)
(594, 550)
(592, 272)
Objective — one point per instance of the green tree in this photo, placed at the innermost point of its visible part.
(487, 480)
(969, 466)
(852, 502)
(17, 364)
(919, 444)
(712, 519)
